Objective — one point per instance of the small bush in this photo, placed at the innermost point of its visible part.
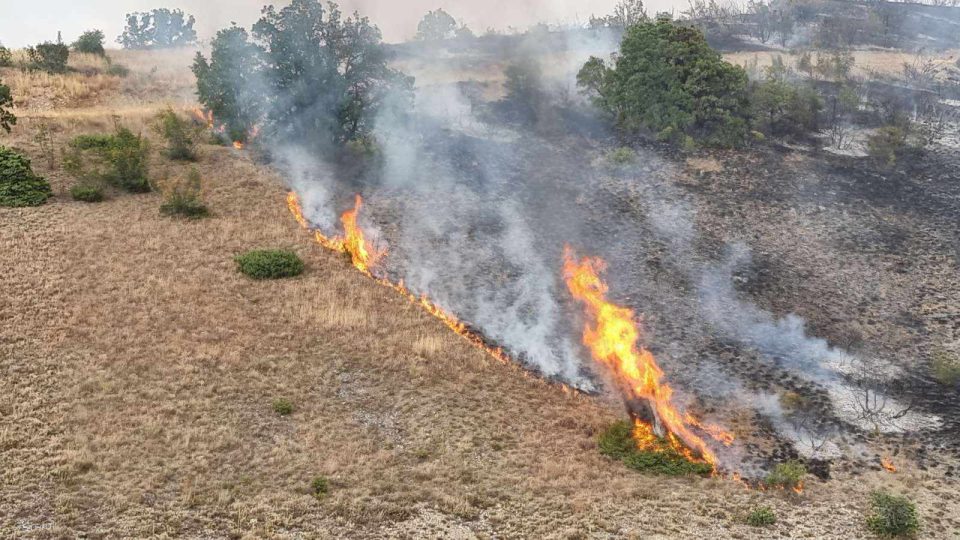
(84, 193)
(7, 118)
(892, 515)
(788, 475)
(49, 57)
(282, 406)
(118, 70)
(618, 443)
(19, 187)
(184, 198)
(946, 367)
(761, 517)
(178, 135)
(622, 156)
(90, 42)
(6, 57)
(887, 144)
(319, 487)
(270, 264)
(119, 159)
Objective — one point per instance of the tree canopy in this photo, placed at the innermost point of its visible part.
(305, 72)
(667, 79)
(438, 25)
(90, 42)
(158, 29)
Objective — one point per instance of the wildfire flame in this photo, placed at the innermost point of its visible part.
(612, 334)
(887, 464)
(366, 257)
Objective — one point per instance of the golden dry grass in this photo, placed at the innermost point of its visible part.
(139, 369)
(885, 61)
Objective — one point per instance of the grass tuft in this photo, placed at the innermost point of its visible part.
(762, 516)
(88, 194)
(282, 406)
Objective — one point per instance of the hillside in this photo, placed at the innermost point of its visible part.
(139, 371)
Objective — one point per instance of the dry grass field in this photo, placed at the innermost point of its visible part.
(138, 370)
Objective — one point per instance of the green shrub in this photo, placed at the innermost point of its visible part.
(618, 443)
(49, 57)
(178, 136)
(6, 57)
(185, 198)
(887, 144)
(622, 156)
(788, 475)
(946, 367)
(7, 119)
(90, 42)
(118, 70)
(761, 517)
(19, 187)
(892, 515)
(119, 159)
(270, 264)
(282, 406)
(319, 487)
(86, 193)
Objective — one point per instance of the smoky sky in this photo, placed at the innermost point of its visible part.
(26, 23)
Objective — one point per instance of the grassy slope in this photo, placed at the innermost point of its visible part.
(138, 370)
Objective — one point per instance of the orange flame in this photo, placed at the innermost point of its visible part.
(887, 464)
(238, 145)
(611, 333)
(365, 258)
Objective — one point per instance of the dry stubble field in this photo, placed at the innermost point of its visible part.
(138, 368)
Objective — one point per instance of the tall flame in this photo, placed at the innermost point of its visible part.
(612, 334)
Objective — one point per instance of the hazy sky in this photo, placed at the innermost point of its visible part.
(25, 22)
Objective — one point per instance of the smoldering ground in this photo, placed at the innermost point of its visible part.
(474, 200)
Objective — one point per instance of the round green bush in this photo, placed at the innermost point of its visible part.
(892, 516)
(270, 264)
(19, 187)
(89, 194)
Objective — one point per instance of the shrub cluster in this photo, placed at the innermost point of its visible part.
(120, 159)
(761, 517)
(86, 193)
(178, 135)
(184, 198)
(49, 57)
(6, 57)
(788, 475)
(892, 515)
(618, 443)
(270, 264)
(19, 186)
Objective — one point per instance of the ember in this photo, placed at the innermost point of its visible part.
(887, 464)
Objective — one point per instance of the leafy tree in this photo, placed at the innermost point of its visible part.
(326, 76)
(229, 85)
(7, 119)
(158, 29)
(49, 57)
(668, 80)
(19, 187)
(90, 42)
(436, 25)
(781, 106)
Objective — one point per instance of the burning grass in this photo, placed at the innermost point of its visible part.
(656, 454)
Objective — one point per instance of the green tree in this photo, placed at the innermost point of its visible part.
(436, 25)
(781, 105)
(668, 80)
(49, 57)
(7, 119)
(229, 85)
(625, 14)
(90, 42)
(158, 29)
(6, 57)
(326, 76)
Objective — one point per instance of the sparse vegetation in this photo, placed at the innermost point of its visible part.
(945, 366)
(19, 186)
(669, 81)
(892, 516)
(762, 516)
(177, 134)
(119, 159)
(86, 193)
(788, 475)
(158, 29)
(184, 197)
(282, 406)
(320, 487)
(270, 264)
(90, 42)
(622, 156)
(618, 443)
(887, 144)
